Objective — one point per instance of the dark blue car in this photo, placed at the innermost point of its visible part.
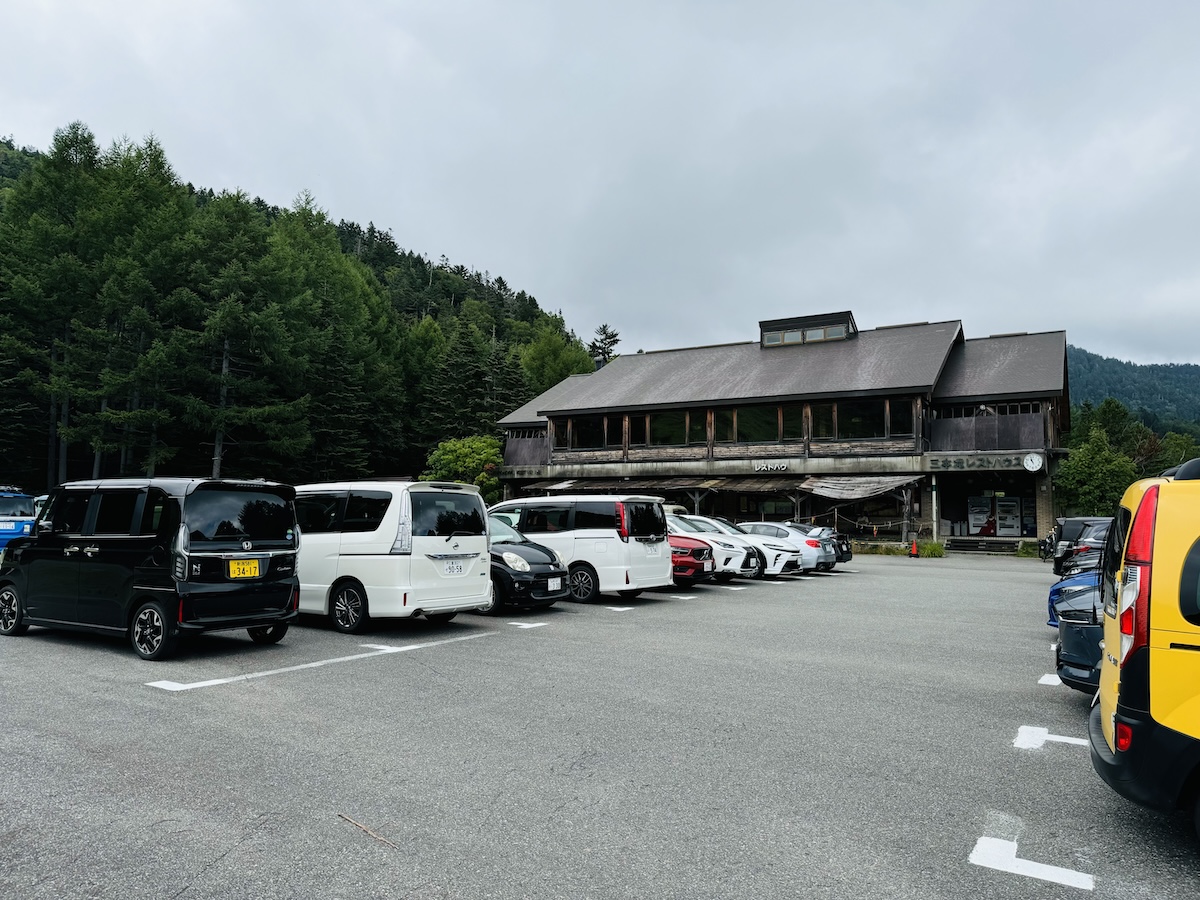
(1070, 587)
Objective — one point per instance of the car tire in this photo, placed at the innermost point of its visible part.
(268, 634)
(762, 566)
(496, 606)
(440, 618)
(349, 612)
(756, 568)
(12, 619)
(630, 595)
(150, 632)
(583, 583)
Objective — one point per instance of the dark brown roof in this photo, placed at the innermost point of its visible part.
(1012, 366)
(904, 359)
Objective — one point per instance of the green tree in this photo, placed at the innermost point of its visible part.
(471, 460)
(553, 356)
(605, 344)
(1092, 479)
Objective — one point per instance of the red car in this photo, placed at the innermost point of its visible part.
(691, 559)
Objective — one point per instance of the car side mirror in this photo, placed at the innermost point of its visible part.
(44, 528)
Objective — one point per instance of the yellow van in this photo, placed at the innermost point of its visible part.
(1144, 728)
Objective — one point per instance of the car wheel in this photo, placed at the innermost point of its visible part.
(583, 584)
(756, 566)
(11, 617)
(440, 618)
(151, 633)
(348, 609)
(494, 606)
(630, 595)
(762, 566)
(268, 634)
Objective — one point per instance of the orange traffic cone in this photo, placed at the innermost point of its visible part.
(913, 553)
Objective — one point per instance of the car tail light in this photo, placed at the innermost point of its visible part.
(296, 597)
(622, 522)
(1124, 736)
(1135, 586)
(813, 543)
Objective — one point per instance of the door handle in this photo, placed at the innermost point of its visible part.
(91, 551)
(67, 551)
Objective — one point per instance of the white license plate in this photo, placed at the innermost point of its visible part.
(652, 551)
(708, 564)
(8, 526)
(454, 567)
(553, 584)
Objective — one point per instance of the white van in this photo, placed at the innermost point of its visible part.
(392, 549)
(610, 543)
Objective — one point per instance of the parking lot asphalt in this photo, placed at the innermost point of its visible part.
(878, 732)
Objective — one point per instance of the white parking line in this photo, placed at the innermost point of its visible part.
(730, 587)
(528, 624)
(1049, 679)
(1031, 737)
(377, 650)
(619, 608)
(994, 853)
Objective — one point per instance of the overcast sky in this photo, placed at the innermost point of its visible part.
(682, 170)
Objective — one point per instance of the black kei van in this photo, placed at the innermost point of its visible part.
(156, 558)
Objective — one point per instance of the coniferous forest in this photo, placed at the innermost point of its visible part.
(148, 326)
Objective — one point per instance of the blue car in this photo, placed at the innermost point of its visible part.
(16, 514)
(1068, 587)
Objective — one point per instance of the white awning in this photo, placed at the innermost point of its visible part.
(855, 487)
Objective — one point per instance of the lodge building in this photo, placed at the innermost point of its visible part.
(897, 431)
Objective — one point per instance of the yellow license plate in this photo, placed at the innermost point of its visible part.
(243, 568)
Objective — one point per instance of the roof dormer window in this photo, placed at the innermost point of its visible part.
(808, 329)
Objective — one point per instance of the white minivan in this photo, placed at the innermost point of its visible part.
(611, 543)
(392, 549)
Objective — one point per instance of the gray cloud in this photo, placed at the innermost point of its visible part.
(682, 170)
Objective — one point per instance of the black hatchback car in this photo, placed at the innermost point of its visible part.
(156, 558)
(524, 574)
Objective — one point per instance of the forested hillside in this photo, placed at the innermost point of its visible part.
(150, 327)
(1165, 396)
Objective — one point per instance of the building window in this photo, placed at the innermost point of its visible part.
(697, 427)
(723, 432)
(757, 424)
(561, 433)
(613, 431)
(793, 422)
(861, 420)
(668, 429)
(823, 423)
(637, 431)
(901, 418)
(587, 433)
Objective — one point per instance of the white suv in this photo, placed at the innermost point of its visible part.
(610, 543)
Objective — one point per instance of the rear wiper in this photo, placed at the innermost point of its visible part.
(454, 534)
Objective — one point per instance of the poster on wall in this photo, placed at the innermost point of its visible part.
(980, 520)
(1008, 516)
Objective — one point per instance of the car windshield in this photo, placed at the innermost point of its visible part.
(16, 506)
(503, 533)
(728, 527)
(225, 515)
